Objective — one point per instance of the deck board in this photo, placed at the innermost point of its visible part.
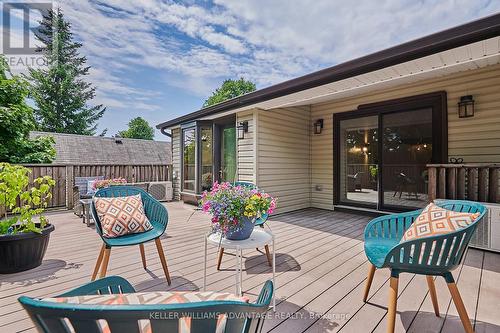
(320, 264)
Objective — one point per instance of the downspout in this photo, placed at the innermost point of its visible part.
(162, 130)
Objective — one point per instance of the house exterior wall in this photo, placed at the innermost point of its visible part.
(246, 147)
(176, 162)
(474, 139)
(283, 156)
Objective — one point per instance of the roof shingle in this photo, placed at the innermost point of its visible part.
(84, 149)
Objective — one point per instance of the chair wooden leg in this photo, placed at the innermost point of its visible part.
(143, 255)
(163, 260)
(459, 304)
(432, 292)
(105, 261)
(393, 299)
(98, 263)
(219, 260)
(268, 255)
(369, 280)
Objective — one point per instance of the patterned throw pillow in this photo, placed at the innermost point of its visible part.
(435, 220)
(121, 215)
(158, 297)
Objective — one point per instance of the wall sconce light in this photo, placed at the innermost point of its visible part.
(242, 129)
(466, 107)
(318, 126)
(365, 148)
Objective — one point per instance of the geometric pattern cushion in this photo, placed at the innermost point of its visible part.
(155, 297)
(435, 220)
(121, 215)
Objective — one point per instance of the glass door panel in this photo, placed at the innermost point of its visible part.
(228, 154)
(406, 149)
(189, 159)
(206, 143)
(359, 161)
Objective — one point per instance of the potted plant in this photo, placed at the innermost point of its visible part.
(23, 241)
(234, 209)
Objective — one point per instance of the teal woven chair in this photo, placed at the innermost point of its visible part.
(157, 215)
(52, 317)
(382, 247)
(258, 222)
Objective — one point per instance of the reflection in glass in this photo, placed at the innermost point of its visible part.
(189, 153)
(407, 148)
(359, 158)
(206, 158)
(228, 151)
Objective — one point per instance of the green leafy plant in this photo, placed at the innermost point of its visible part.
(23, 201)
(373, 171)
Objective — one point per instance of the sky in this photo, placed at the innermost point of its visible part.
(160, 59)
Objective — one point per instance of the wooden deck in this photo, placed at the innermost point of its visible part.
(321, 270)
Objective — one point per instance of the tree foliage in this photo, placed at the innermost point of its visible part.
(230, 89)
(138, 128)
(60, 93)
(16, 121)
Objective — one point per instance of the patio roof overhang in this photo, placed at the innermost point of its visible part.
(469, 46)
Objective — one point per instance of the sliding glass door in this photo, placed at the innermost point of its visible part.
(381, 152)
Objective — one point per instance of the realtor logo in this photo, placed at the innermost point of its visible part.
(20, 20)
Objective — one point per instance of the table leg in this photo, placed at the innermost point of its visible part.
(83, 213)
(237, 275)
(274, 277)
(87, 215)
(205, 268)
(241, 272)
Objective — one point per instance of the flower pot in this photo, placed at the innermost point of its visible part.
(243, 231)
(24, 250)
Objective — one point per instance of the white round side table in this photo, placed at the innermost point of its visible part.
(258, 238)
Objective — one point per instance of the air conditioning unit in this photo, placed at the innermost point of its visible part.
(487, 235)
(161, 191)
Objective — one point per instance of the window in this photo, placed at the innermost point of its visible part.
(206, 158)
(208, 150)
(189, 159)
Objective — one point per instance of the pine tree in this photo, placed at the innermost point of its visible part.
(60, 93)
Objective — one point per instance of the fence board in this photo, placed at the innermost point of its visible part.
(132, 173)
(477, 182)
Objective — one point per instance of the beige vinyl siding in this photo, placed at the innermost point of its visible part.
(245, 149)
(283, 156)
(474, 139)
(176, 162)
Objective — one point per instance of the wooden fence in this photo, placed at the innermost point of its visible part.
(476, 182)
(64, 176)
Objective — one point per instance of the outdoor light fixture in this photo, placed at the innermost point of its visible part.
(365, 148)
(466, 107)
(318, 126)
(242, 129)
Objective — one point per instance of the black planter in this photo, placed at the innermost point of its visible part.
(23, 251)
